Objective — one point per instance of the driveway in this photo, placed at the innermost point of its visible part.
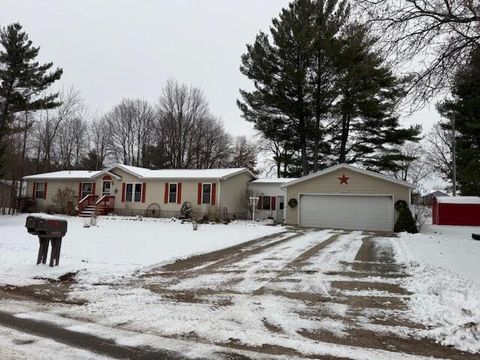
(297, 294)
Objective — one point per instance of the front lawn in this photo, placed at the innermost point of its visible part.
(117, 247)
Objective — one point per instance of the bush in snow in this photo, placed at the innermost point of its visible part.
(405, 221)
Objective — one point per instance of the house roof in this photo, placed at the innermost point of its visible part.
(273, 180)
(352, 168)
(458, 199)
(143, 173)
(66, 174)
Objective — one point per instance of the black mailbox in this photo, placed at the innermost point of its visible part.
(47, 229)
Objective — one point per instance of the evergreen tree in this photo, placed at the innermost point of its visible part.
(23, 81)
(464, 109)
(368, 131)
(322, 92)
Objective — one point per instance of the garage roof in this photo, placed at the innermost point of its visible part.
(352, 168)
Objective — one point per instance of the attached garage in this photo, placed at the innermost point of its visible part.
(345, 197)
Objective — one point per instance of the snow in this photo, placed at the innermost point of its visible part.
(273, 180)
(458, 199)
(57, 175)
(445, 282)
(117, 247)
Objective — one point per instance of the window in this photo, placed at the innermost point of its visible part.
(206, 193)
(265, 203)
(39, 191)
(172, 193)
(133, 192)
(87, 189)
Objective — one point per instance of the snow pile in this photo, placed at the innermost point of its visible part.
(445, 283)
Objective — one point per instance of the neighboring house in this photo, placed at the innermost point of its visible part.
(271, 202)
(129, 190)
(345, 197)
(428, 199)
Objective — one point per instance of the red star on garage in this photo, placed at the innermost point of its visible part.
(343, 179)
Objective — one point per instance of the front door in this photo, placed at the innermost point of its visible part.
(106, 187)
(280, 208)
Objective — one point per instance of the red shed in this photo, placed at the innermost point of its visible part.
(458, 210)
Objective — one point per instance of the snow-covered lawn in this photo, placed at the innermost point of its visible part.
(116, 247)
(444, 263)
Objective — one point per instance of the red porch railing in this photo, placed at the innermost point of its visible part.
(88, 200)
(105, 204)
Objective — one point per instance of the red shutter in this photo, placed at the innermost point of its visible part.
(123, 192)
(79, 191)
(199, 194)
(179, 193)
(165, 195)
(260, 203)
(93, 188)
(45, 190)
(214, 193)
(144, 191)
(274, 203)
(33, 193)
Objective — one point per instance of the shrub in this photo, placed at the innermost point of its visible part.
(405, 221)
(64, 201)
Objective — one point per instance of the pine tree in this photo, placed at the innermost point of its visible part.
(368, 131)
(464, 109)
(322, 92)
(23, 81)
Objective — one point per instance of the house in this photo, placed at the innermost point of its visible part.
(428, 199)
(129, 190)
(456, 210)
(345, 197)
(271, 198)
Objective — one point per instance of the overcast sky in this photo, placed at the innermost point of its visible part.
(112, 49)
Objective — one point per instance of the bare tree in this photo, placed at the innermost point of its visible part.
(129, 125)
(433, 36)
(186, 131)
(244, 154)
(412, 168)
(439, 150)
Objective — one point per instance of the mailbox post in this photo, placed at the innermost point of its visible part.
(48, 229)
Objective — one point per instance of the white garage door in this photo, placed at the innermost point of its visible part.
(347, 212)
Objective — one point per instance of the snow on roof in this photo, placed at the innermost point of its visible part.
(143, 173)
(273, 180)
(67, 174)
(458, 199)
(352, 168)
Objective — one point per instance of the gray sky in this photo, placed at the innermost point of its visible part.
(112, 49)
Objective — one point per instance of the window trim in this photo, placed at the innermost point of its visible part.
(36, 190)
(176, 192)
(132, 200)
(210, 200)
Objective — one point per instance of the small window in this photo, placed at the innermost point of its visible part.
(133, 192)
(172, 193)
(264, 203)
(138, 193)
(206, 193)
(87, 189)
(39, 190)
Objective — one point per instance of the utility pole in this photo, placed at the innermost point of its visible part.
(454, 156)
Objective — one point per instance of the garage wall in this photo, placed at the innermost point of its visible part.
(329, 184)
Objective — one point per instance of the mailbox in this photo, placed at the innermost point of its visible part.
(47, 229)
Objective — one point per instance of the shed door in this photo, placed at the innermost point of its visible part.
(347, 212)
